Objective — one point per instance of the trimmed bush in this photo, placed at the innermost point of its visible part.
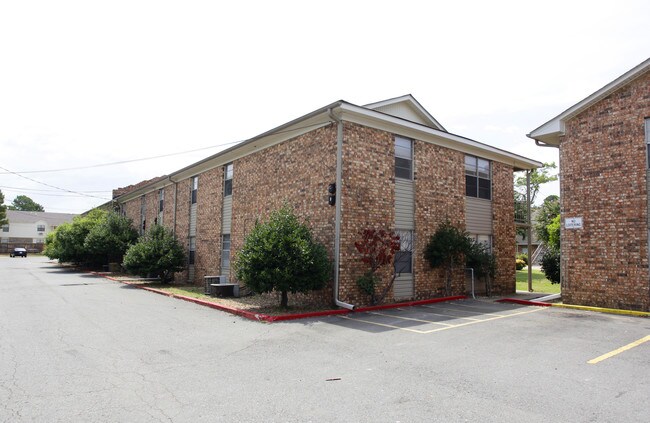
(281, 255)
(156, 253)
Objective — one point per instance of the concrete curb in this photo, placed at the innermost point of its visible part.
(605, 310)
(576, 307)
(259, 317)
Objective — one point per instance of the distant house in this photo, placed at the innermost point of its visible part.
(604, 160)
(345, 168)
(28, 229)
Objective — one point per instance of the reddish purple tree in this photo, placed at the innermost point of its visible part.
(377, 248)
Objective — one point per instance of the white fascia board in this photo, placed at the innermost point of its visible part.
(550, 131)
(371, 118)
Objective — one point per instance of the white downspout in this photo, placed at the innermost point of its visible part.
(337, 218)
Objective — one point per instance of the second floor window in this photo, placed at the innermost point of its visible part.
(195, 188)
(478, 178)
(161, 200)
(403, 158)
(227, 181)
(40, 228)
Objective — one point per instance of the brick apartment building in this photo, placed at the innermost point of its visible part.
(392, 165)
(604, 180)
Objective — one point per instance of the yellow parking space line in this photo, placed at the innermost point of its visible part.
(410, 318)
(486, 320)
(619, 350)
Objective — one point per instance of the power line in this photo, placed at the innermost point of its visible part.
(8, 188)
(120, 162)
(151, 157)
(53, 186)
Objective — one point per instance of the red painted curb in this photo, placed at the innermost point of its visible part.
(411, 303)
(259, 317)
(523, 302)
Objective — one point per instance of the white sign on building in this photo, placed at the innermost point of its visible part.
(573, 223)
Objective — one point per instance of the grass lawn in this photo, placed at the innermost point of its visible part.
(540, 283)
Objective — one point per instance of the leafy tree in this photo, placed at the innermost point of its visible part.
(538, 177)
(377, 248)
(3, 210)
(67, 242)
(281, 255)
(108, 241)
(447, 248)
(157, 253)
(24, 203)
(548, 211)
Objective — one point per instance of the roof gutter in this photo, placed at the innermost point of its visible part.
(337, 218)
(543, 144)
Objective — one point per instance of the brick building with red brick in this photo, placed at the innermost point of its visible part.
(604, 161)
(392, 166)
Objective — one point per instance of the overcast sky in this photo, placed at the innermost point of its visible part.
(84, 83)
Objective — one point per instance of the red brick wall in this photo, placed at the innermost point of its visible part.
(296, 172)
(603, 180)
(439, 196)
(503, 226)
(182, 230)
(368, 200)
(208, 224)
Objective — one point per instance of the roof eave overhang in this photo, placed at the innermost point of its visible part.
(320, 118)
(371, 118)
(551, 131)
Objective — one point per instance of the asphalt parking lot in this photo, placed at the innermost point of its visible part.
(77, 347)
(432, 318)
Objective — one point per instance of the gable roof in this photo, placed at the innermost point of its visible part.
(408, 108)
(550, 132)
(56, 219)
(427, 130)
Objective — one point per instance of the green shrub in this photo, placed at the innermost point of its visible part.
(446, 248)
(281, 255)
(551, 265)
(479, 258)
(108, 241)
(157, 253)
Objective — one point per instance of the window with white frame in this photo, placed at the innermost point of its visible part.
(647, 139)
(161, 205)
(143, 218)
(227, 180)
(194, 188)
(225, 251)
(403, 260)
(5, 228)
(40, 228)
(478, 181)
(403, 158)
(192, 255)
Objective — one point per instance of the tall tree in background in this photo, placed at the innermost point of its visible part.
(24, 203)
(3, 210)
(537, 178)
